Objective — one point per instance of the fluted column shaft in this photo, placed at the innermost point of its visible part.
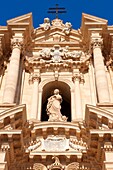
(34, 106)
(12, 76)
(78, 103)
(100, 74)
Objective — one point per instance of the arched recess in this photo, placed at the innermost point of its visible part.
(48, 90)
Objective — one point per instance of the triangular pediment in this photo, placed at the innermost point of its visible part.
(57, 34)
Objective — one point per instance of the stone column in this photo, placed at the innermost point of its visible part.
(100, 74)
(35, 94)
(78, 103)
(12, 76)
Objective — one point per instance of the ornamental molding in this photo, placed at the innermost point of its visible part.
(33, 145)
(66, 28)
(78, 145)
(57, 57)
(108, 147)
(56, 143)
(5, 147)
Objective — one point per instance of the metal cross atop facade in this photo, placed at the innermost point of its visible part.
(57, 10)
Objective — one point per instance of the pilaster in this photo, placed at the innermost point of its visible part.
(12, 76)
(100, 74)
(35, 80)
(78, 104)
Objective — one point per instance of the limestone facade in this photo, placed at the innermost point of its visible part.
(33, 63)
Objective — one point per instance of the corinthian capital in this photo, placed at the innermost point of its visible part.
(34, 77)
(96, 42)
(17, 42)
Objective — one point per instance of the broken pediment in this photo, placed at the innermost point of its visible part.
(86, 18)
(56, 31)
(24, 19)
(91, 24)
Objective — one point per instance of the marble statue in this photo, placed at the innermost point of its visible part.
(54, 106)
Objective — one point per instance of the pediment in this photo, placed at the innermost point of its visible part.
(24, 19)
(86, 18)
(56, 31)
(91, 24)
(21, 24)
(56, 35)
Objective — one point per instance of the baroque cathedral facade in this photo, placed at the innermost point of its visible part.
(56, 95)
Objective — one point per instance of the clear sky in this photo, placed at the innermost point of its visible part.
(13, 8)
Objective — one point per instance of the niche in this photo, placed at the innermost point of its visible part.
(48, 91)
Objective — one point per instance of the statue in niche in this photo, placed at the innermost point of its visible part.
(54, 106)
(46, 25)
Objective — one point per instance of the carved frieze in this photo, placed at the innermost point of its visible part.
(58, 57)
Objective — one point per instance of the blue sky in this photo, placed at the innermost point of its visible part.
(13, 8)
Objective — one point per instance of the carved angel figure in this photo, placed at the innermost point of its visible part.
(46, 25)
(67, 28)
(45, 53)
(53, 107)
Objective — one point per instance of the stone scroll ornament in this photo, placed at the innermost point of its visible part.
(54, 106)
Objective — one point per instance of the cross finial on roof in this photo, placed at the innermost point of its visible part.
(57, 10)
